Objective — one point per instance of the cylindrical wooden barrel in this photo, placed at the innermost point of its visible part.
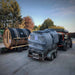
(15, 37)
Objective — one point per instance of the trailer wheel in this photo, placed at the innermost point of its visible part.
(1, 51)
(50, 58)
(55, 54)
(19, 49)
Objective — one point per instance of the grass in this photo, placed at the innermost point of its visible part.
(1, 41)
(1, 33)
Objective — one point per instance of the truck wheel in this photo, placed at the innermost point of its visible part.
(71, 46)
(65, 47)
(70, 43)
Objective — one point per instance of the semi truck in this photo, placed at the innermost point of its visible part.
(65, 40)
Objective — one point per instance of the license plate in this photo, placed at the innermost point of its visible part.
(36, 56)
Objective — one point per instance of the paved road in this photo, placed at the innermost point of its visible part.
(17, 63)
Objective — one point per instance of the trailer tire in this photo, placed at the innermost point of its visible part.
(55, 54)
(0, 50)
(19, 49)
(51, 58)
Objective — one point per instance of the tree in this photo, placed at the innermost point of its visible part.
(29, 24)
(57, 27)
(10, 13)
(47, 23)
(35, 27)
(22, 25)
(39, 27)
(3, 13)
(15, 13)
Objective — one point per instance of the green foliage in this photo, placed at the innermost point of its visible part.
(1, 31)
(46, 24)
(35, 27)
(57, 27)
(1, 35)
(10, 14)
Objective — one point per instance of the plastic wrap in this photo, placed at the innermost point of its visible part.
(43, 39)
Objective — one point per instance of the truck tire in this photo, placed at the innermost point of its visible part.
(65, 47)
(71, 46)
(70, 43)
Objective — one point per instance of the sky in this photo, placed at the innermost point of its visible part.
(62, 12)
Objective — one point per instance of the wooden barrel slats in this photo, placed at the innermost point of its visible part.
(14, 37)
(12, 33)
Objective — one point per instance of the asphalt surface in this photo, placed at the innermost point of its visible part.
(17, 63)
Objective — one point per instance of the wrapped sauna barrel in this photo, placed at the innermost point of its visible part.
(15, 37)
(43, 44)
(43, 40)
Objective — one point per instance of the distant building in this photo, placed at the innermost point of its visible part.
(72, 35)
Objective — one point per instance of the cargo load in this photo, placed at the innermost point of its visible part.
(42, 42)
(15, 37)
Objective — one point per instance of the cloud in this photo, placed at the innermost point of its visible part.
(62, 7)
(63, 11)
(72, 1)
